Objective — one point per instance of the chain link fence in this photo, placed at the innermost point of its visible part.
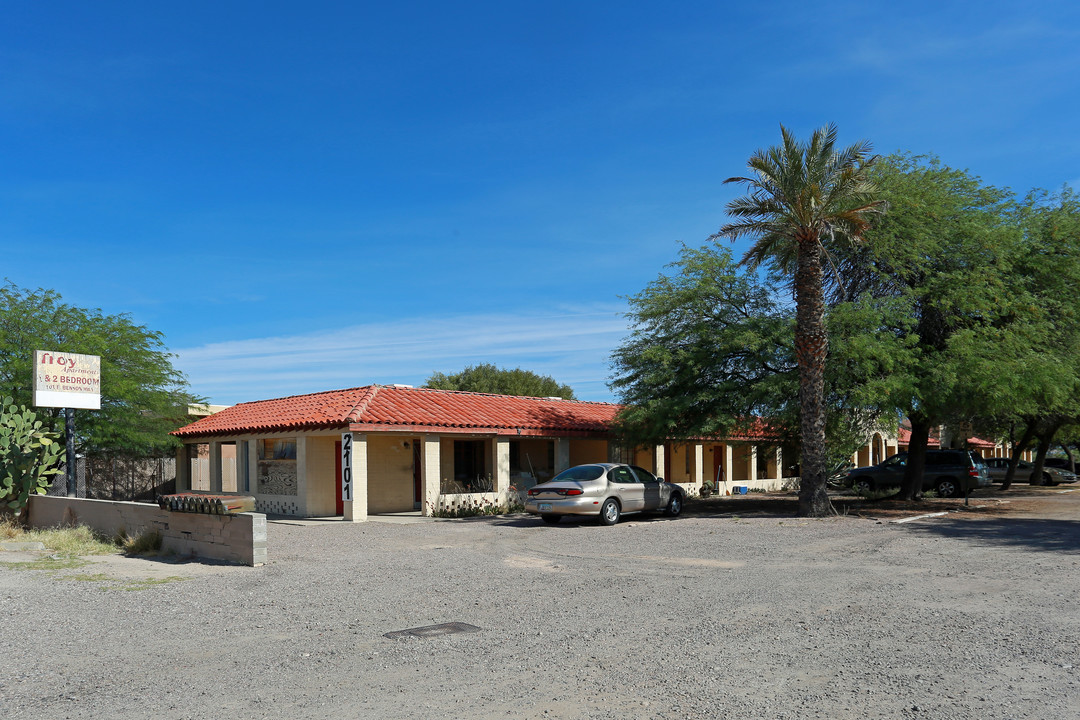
(120, 478)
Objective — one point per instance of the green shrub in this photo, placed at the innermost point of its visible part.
(475, 508)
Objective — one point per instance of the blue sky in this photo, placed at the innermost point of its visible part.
(308, 196)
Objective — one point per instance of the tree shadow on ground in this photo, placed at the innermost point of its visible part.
(753, 504)
(1050, 535)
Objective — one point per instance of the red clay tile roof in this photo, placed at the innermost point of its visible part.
(972, 442)
(904, 437)
(385, 408)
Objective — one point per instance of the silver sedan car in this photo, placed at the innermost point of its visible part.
(605, 490)
(1051, 475)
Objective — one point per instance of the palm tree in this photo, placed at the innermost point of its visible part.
(798, 196)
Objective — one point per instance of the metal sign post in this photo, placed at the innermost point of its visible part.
(69, 433)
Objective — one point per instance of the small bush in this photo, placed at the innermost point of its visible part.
(147, 543)
(475, 508)
(879, 494)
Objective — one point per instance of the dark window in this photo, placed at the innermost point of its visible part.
(469, 467)
(897, 460)
(581, 473)
(643, 474)
(622, 475)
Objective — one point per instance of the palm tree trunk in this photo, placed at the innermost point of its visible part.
(811, 348)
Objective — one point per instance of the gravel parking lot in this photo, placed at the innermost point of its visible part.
(718, 614)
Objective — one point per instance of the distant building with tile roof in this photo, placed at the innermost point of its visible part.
(419, 449)
(424, 449)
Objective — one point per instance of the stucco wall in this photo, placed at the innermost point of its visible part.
(234, 538)
(390, 473)
(320, 475)
(679, 454)
(584, 451)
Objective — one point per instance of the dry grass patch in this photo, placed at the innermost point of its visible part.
(70, 541)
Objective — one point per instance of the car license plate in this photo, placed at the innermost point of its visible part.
(545, 506)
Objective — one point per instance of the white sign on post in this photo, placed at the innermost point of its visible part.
(346, 467)
(67, 380)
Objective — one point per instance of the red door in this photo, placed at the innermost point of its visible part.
(339, 504)
(416, 473)
(718, 463)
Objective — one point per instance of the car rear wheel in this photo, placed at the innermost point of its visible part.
(550, 519)
(609, 512)
(674, 506)
(947, 488)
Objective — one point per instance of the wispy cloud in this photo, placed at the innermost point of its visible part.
(571, 345)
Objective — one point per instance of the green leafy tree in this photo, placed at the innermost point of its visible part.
(143, 397)
(29, 456)
(1035, 364)
(943, 257)
(800, 196)
(487, 378)
(711, 355)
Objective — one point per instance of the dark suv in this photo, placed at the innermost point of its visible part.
(949, 473)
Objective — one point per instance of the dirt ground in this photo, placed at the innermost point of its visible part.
(738, 609)
(991, 501)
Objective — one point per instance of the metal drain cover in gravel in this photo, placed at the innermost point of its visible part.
(433, 630)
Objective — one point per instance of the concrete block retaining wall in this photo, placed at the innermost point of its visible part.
(233, 538)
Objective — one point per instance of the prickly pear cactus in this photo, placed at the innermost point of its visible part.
(30, 456)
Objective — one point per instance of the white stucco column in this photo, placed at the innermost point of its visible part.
(779, 464)
(500, 460)
(430, 469)
(729, 463)
(562, 454)
(751, 472)
(658, 460)
(357, 510)
(253, 466)
(215, 467)
(699, 464)
(301, 475)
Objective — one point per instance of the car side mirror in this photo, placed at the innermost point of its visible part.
(660, 480)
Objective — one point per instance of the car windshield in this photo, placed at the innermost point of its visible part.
(581, 472)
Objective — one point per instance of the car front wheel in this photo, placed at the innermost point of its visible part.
(609, 512)
(674, 506)
(947, 488)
